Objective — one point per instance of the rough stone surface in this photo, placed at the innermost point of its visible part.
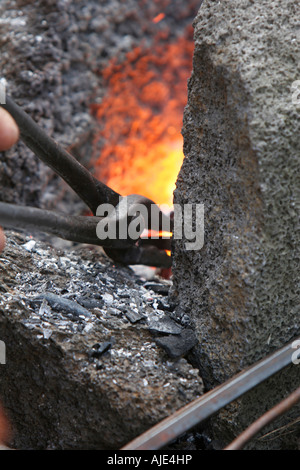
(74, 380)
(242, 159)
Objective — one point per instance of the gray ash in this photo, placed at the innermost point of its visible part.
(79, 330)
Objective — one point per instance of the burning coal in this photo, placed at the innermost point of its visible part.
(141, 118)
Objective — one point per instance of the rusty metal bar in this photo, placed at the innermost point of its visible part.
(211, 402)
(264, 420)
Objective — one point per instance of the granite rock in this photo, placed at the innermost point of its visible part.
(242, 157)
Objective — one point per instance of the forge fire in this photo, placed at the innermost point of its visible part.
(140, 119)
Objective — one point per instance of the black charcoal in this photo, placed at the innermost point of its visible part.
(64, 305)
(180, 345)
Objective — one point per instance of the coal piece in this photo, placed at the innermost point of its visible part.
(63, 304)
(99, 348)
(164, 325)
(179, 345)
(157, 287)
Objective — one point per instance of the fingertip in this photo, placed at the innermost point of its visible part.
(9, 131)
(2, 240)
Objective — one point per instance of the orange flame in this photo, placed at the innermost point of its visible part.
(140, 120)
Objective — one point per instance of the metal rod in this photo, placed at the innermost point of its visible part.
(208, 404)
(81, 229)
(264, 420)
(88, 188)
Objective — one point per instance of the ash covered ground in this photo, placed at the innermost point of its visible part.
(89, 359)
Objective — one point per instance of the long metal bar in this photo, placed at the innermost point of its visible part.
(81, 229)
(76, 228)
(208, 404)
(88, 188)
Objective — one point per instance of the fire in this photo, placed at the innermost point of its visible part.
(151, 171)
(140, 120)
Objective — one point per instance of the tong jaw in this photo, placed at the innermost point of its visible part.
(127, 250)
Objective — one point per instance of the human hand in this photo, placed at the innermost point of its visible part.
(9, 134)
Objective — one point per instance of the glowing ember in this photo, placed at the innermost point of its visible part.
(158, 18)
(140, 120)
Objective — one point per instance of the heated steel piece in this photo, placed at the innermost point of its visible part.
(94, 193)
